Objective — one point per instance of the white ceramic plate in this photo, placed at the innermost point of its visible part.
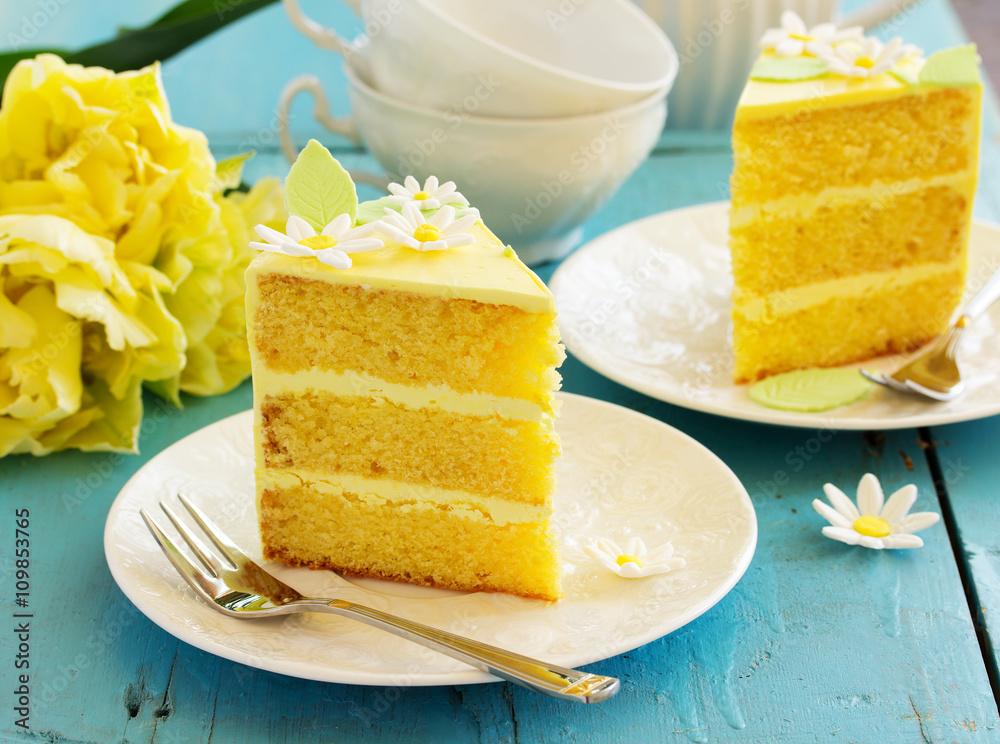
(647, 305)
(621, 474)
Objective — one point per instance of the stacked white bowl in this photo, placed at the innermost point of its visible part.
(538, 109)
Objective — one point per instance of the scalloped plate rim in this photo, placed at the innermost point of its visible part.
(770, 416)
(309, 671)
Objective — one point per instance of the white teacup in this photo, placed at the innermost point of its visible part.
(534, 180)
(539, 58)
(718, 41)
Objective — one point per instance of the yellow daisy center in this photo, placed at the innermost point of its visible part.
(626, 558)
(318, 242)
(421, 196)
(800, 37)
(427, 233)
(872, 526)
(865, 62)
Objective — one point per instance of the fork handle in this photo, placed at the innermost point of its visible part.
(984, 298)
(557, 681)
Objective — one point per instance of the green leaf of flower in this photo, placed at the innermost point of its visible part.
(955, 66)
(229, 172)
(318, 188)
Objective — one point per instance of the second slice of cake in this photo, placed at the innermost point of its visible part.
(405, 402)
(855, 167)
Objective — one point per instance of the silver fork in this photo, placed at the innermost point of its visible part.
(236, 586)
(935, 373)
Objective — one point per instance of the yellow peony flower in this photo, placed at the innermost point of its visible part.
(79, 333)
(121, 258)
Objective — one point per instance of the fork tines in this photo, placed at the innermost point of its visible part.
(206, 579)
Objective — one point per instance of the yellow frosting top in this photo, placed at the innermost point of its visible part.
(802, 69)
(421, 238)
(485, 270)
(764, 96)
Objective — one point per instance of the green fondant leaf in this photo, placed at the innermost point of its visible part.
(318, 188)
(955, 66)
(374, 210)
(229, 172)
(787, 69)
(811, 389)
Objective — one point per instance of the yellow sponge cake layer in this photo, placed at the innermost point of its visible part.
(309, 323)
(783, 246)
(418, 541)
(851, 207)
(404, 416)
(378, 438)
(925, 133)
(884, 314)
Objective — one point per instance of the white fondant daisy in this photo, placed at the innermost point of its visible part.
(429, 196)
(865, 57)
(331, 246)
(794, 38)
(636, 561)
(874, 522)
(438, 232)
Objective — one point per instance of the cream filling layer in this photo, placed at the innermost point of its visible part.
(351, 383)
(406, 496)
(802, 205)
(758, 308)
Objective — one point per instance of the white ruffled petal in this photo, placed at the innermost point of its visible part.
(457, 240)
(334, 257)
(464, 222)
(443, 218)
(830, 514)
(631, 571)
(411, 213)
(400, 236)
(411, 184)
(398, 191)
(338, 226)
(898, 505)
(870, 496)
(427, 204)
(271, 235)
(294, 249)
(875, 543)
(433, 245)
(431, 184)
(841, 534)
(840, 502)
(636, 547)
(790, 48)
(298, 229)
(360, 231)
(791, 21)
(771, 38)
(919, 521)
(903, 542)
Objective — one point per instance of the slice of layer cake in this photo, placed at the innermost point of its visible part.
(855, 166)
(404, 369)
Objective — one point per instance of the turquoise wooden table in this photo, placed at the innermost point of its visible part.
(818, 642)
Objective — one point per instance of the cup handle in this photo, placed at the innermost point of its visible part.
(875, 14)
(321, 36)
(342, 125)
